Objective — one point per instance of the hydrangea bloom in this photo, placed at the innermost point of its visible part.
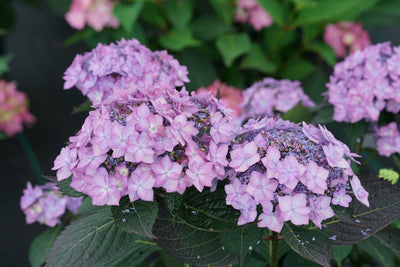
(162, 138)
(108, 70)
(346, 35)
(45, 204)
(388, 139)
(14, 111)
(96, 13)
(231, 96)
(250, 11)
(293, 171)
(366, 83)
(282, 96)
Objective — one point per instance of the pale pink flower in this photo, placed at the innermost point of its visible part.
(222, 129)
(294, 208)
(140, 148)
(260, 187)
(235, 191)
(315, 178)
(65, 162)
(183, 129)
(341, 198)
(140, 185)
(270, 219)
(165, 170)
(200, 173)
(243, 157)
(103, 191)
(334, 155)
(288, 171)
(320, 210)
(359, 191)
(271, 160)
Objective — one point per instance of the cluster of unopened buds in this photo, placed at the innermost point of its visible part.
(14, 112)
(46, 204)
(143, 137)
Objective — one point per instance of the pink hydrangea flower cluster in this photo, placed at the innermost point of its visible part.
(46, 204)
(346, 35)
(268, 96)
(366, 83)
(127, 64)
(96, 13)
(388, 139)
(250, 11)
(231, 96)
(138, 141)
(294, 172)
(14, 111)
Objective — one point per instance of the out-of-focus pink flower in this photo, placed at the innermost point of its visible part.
(96, 13)
(346, 35)
(14, 111)
(231, 96)
(388, 140)
(250, 11)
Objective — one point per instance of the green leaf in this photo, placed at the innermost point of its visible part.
(176, 40)
(94, 240)
(231, 46)
(372, 247)
(225, 9)
(179, 12)
(4, 62)
(206, 211)
(297, 114)
(264, 248)
(340, 253)
(294, 259)
(201, 69)
(66, 189)
(86, 206)
(390, 238)
(256, 59)
(85, 106)
(135, 217)
(330, 9)
(309, 244)
(274, 9)
(209, 27)
(355, 133)
(152, 14)
(325, 51)
(323, 116)
(3, 136)
(389, 175)
(314, 85)
(301, 4)
(353, 224)
(242, 241)
(127, 14)
(41, 246)
(188, 244)
(298, 69)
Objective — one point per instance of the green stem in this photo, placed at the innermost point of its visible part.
(30, 154)
(273, 250)
(396, 161)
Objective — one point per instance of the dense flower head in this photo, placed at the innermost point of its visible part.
(344, 36)
(14, 111)
(96, 13)
(130, 145)
(268, 96)
(231, 96)
(109, 70)
(388, 139)
(46, 204)
(250, 11)
(366, 83)
(294, 172)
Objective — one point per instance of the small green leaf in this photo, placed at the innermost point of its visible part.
(225, 9)
(94, 240)
(378, 252)
(328, 10)
(176, 40)
(301, 4)
(41, 246)
(390, 238)
(66, 189)
(127, 14)
(274, 9)
(340, 253)
(209, 27)
(231, 46)
(188, 244)
(256, 59)
(298, 69)
(309, 244)
(297, 114)
(389, 175)
(85, 106)
(152, 14)
(242, 241)
(135, 217)
(179, 12)
(3, 136)
(294, 259)
(325, 51)
(4, 62)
